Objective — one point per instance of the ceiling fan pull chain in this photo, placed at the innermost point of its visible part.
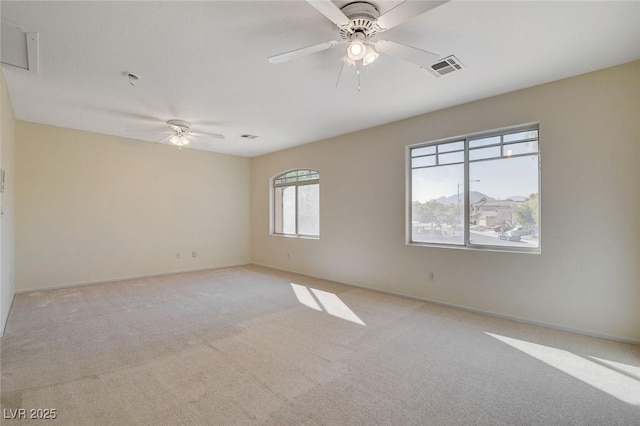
(358, 73)
(339, 75)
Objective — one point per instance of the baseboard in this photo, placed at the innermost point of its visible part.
(557, 327)
(4, 326)
(126, 278)
(472, 310)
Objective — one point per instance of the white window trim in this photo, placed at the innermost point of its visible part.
(467, 245)
(273, 186)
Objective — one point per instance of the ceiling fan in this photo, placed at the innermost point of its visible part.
(180, 133)
(359, 22)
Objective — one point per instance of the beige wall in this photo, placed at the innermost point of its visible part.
(586, 278)
(7, 251)
(93, 207)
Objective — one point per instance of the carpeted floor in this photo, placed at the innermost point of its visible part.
(250, 345)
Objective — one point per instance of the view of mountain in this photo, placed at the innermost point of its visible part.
(474, 197)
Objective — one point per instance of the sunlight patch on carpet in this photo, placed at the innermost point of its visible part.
(614, 383)
(305, 297)
(626, 368)
(324, 301)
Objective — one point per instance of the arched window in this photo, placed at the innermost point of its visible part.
(296, 203)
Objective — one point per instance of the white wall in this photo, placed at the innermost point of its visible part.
(586, 278)
(7, 251)
(93, 207)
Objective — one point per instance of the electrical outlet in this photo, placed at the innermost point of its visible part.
(432, 276)
(194, 254)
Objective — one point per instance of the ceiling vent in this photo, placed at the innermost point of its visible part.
(248, 136)
(19, 47)
(445, 66)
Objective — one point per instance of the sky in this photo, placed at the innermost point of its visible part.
(500, 179)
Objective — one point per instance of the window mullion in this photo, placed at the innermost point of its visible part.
(275, 224)
(297, 202)
(465, 224)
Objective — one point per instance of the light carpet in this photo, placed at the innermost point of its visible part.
(250, 345)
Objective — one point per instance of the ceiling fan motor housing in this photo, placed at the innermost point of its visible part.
(180, 126)
(363, 17)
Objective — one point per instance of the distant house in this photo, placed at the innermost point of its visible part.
(494, 213)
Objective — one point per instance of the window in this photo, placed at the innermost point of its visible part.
(296, 203)
(480, 191)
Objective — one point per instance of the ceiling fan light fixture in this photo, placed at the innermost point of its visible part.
(347, 60)
(357, 49)
(179, 140)
(370, 56)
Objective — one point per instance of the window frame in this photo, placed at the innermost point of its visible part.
(296, 182)
(466, 139)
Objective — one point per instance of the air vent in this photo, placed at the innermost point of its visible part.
(19, 48)
(445, 66)
(248, 136)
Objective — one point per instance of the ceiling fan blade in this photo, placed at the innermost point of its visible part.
(422, 58)
(147, 131)
(406, 10)
(331, 11)
(294, 54)
(213, 135)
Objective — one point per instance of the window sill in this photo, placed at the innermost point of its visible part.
(301, 237)
(478, 248)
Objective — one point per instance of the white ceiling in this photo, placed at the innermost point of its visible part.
(206, 62)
